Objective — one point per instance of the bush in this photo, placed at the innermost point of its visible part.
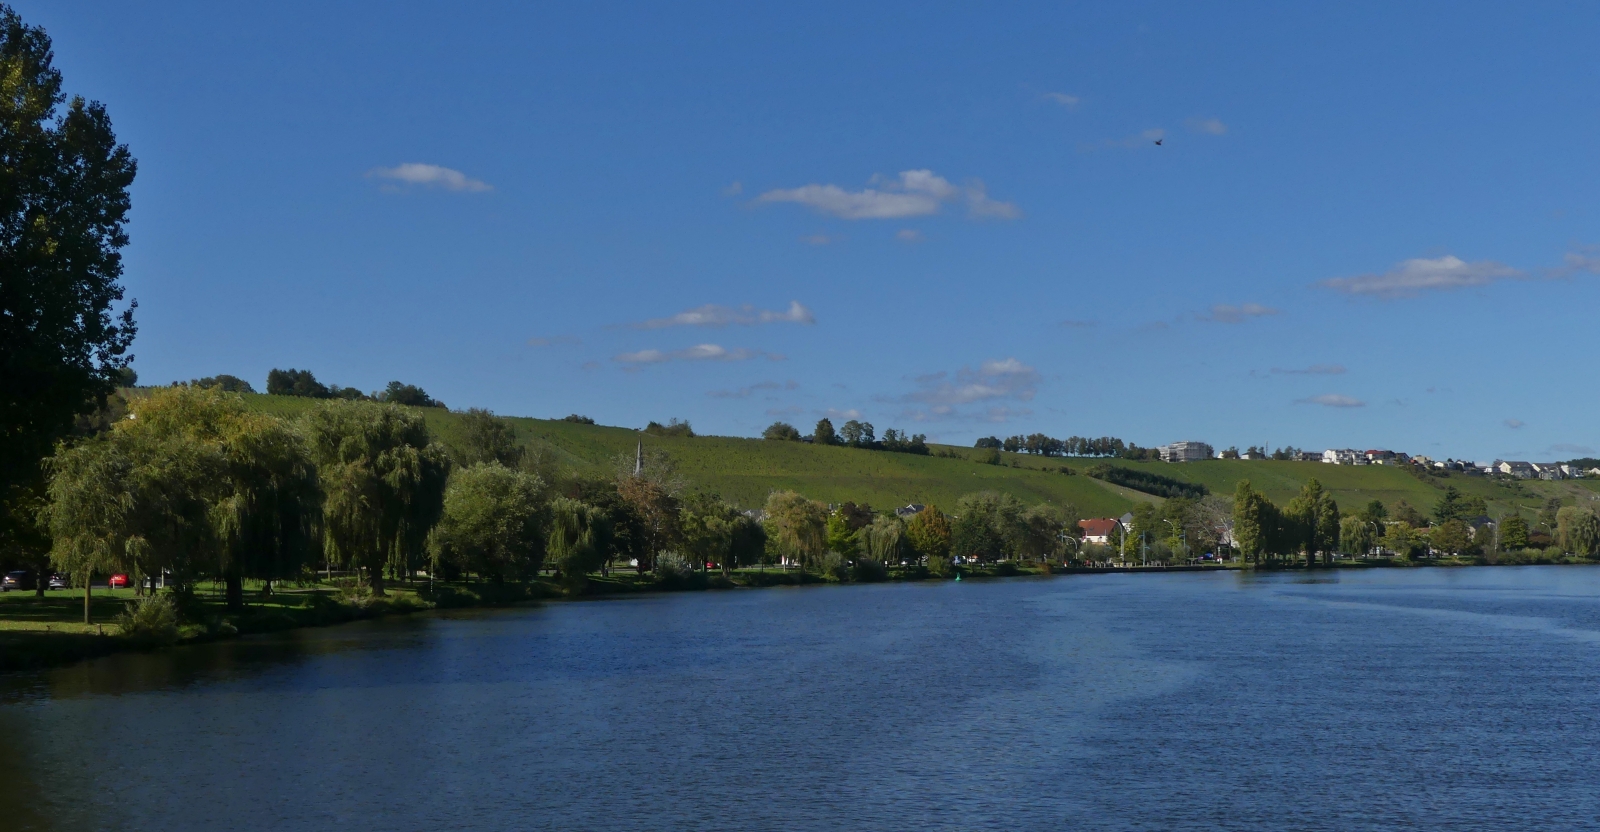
(673, 427)
(152, 622)
(833, 566)
(940, 566)
(868, 570)
(1006, 569)
(673, 568)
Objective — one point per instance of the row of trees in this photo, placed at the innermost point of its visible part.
(1038, 443)
(303, 383)
(853, 434)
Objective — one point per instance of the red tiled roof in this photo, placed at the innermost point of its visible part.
(1098, 527)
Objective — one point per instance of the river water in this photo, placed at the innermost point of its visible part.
(1389, 699)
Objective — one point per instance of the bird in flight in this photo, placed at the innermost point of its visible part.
(1159, 141)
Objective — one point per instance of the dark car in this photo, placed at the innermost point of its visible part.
(20, 579)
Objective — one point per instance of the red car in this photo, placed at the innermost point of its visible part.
(119, 579)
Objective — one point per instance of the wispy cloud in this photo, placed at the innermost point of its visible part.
(1223, 313)
(914, 193)
(1208, 126)
(993, 379)
(1069, 101)
(1313, 370)
(835, 413)
(748, 391)
(1513, 423)
(699, 352)
(944, 413)
(432, 176)
(714, 315)
(1332, 400)
(553, 341)
(1567, 448)
(908, 235)
(733, 189)
(1423, 274)
(1584, 260)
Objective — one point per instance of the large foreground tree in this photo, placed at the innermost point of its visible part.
(63, 201)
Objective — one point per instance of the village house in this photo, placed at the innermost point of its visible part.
(1105, 531)
(1186, 452)
(911, 510)
(1520, 470)
(1344, 456)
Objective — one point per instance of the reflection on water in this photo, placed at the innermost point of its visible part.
(1373, 700)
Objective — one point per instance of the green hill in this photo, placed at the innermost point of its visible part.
(744, 471)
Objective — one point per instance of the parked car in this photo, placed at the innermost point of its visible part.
(20, 579)
(59, 582)
(119, 579)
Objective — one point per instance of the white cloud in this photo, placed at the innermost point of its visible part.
(1422, 274)
(734, 189)
(908, 235)
(1209, 126)
(993, 379)
(1578, 261)
(834, 413)
(1513, 423)
(747, 392)
(714, 315)
(1332, 400)
(433, 176)
(553, 341)
(1223, 313)
(1069, 101)
(698, 352)
(915, 193)
(1313, 370)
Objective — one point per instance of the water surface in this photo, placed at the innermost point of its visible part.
(1394, 699)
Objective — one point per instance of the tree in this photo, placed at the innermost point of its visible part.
(88, 511)
(748, 545)
(486, 437)
(63, 203)
(1047, 527)
(1313, 518)
(1357, 535)
(841, 537)
(988, 526)
(384, 481)
(1401, 539)
(292, 382)
(656, 508)
(1577, 531)
(407, 394)
(491, 523)
(781, 431)
(225, 383)
(857, 434)
(708, 526)
(987, 442)
(577, 419)
(1408, 515)
(1451, 536)
(823, 433)
(798, 526)
(1514, 533)
(929, 533)
(1456, 506)
(884, 539)
(1249, 520)
(579, 539)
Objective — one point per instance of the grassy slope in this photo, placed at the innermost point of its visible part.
(745, 470)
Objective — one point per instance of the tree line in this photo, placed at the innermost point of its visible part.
(852, 434)
(1038, 443)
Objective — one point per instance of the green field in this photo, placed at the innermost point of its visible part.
(744, 471)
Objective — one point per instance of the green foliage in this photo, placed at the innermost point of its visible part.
(823, 433)
(409, 395)
(577, 420)
(384, 482)
(841, 537)
(485, 437)
(940, 566)
(884, 540)
(798, 526)
(151, 621)
(225, 383)
(988, 526)
(1450, 537)
(63, 206)
(833, 565)
(1453, 505)
(292, 382)
(782, 432)
(1578, 531)
(1358, 535)
(868, 570)
(929, 534)
(581, 538)
(1514, 533)
(1147, 482)
(490, 523)
(673, 427)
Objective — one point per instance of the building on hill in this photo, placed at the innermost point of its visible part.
(1344, 456)
(1377, 457)
(1105, 531)
(1512, 468)
(912, 510)
(1185, 452)
(1253, 453)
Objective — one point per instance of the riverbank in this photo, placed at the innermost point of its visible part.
(45, 632)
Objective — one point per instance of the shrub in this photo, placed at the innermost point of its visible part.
(152, 622)
(672, 568)
(1006, 569)
(833, 565)
(576, 419)
(940, 566)
(869, 570)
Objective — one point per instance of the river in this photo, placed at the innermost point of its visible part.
(1342, 700)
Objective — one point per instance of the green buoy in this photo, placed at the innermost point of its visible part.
(958, 576)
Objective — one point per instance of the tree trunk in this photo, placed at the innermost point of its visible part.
(233, 594)
(375, 580)
(87, 579)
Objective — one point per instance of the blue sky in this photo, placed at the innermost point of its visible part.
(1365, 225)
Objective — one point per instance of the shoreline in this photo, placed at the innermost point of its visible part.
(35, 648)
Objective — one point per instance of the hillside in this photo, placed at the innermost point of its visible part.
(744, 471)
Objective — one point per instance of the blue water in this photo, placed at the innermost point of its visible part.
(1397, 699)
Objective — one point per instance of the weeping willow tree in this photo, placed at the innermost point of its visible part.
(580, 538)
(383, 482)
(883, 539)
(798, 525)
(491, 523)
(88, 512)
